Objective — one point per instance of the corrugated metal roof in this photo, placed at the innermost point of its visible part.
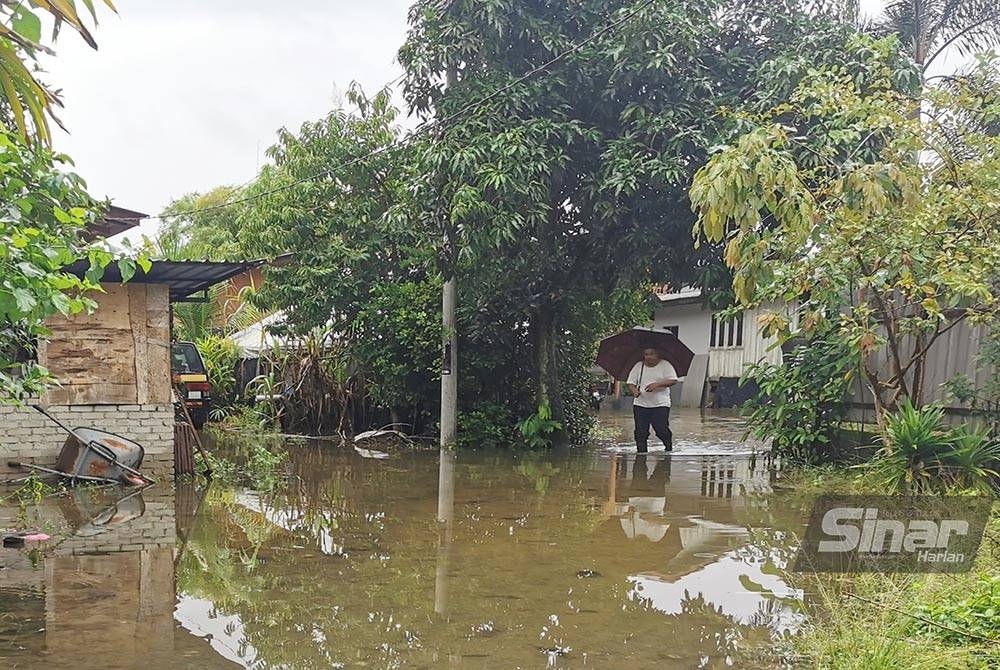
(185, 278)
(116, 220)
(684, 294)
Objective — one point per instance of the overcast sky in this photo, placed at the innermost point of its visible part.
(186, 95)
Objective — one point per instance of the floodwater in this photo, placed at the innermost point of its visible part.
(587, 558)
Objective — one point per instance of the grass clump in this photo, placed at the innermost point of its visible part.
(905, 622)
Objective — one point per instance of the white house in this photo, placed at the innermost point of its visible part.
(723, 347)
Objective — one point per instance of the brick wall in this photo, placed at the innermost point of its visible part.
(155, 529)
(28, 436)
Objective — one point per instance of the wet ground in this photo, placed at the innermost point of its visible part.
(587, 558)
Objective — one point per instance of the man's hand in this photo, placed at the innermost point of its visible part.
(634, 391)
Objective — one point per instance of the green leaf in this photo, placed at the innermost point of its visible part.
(127, 267)
(25, 300)
(26, 24)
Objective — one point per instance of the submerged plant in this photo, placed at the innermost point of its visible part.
(539, 429)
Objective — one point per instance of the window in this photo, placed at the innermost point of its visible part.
(673, 329)
(726, 333)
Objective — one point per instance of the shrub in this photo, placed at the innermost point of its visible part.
(918, 454)
(488, 425)
(801, 401)
(539, 429)
(978, 613)
(221, 356)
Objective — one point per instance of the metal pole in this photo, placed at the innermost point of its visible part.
(445, 516)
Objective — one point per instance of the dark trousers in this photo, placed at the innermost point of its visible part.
(659, 419)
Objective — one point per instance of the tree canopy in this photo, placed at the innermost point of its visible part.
(869, 218)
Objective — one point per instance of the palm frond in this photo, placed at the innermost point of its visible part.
(930, 27)
(25, 95)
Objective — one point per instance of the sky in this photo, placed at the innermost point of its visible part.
(186, 95)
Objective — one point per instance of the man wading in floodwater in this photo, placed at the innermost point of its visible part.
(649, 383)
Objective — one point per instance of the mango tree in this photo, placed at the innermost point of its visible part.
(567, 138)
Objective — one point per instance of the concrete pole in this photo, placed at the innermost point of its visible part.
(449, 330)
(445, 517)
(449, 369)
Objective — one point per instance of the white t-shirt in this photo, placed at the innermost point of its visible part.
(643, 375)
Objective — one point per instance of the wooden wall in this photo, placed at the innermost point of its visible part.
(119, 355)
(733, 361)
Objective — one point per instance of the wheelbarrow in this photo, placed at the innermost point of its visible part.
(95, 455)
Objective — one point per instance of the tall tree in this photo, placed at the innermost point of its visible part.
(200, 226)
(568, 138)
(353, 270)
(822, 205)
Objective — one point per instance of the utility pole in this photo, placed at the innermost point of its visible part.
(449, 371)
(449, 328)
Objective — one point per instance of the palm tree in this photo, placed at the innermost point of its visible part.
(25, 102)
(930, 27)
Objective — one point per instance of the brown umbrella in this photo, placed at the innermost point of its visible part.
(619, 353)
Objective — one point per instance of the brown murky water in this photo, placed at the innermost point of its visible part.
(589, 558)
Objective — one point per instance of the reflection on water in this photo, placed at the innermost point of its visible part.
(587, 558)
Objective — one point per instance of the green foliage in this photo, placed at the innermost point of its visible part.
(801, 400)
(40, 233)
(196, 228)
(875, 621)
(395, 339)
(823, 205)
(539, 428)
(255, 460)
(487, 426)
(977, 613)
(573, 183)
(312, 386)
(920, 455)
(555, 205)
(260, 418)
(221, 355)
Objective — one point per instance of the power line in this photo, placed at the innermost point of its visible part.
(425, 127)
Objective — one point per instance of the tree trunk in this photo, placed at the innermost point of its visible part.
(546, 369)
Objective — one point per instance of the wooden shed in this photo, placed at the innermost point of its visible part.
(113, 365)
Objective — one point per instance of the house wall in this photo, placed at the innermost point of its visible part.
(229, 301)
(733, 361)
(113, 368)
(693, 321)
(955, 353)
(119, 354)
